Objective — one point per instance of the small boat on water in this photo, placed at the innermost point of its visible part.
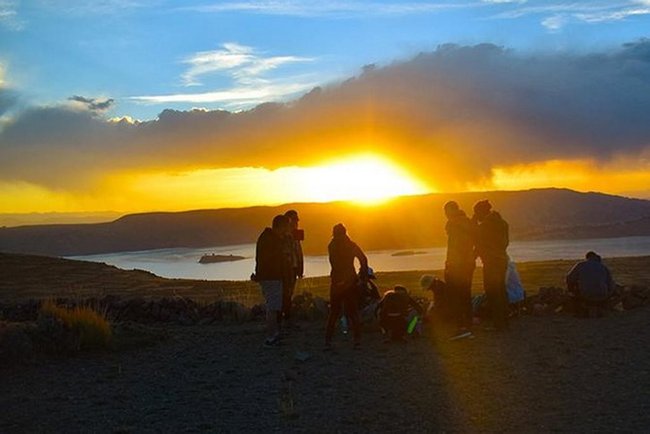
(213, 258)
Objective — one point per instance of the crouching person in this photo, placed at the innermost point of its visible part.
(393, 310)
(590, 284)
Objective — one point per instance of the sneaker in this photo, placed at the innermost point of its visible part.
(462, 334)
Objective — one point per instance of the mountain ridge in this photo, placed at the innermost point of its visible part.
(408, 221)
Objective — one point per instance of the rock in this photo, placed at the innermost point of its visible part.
(302, 356)
(632, 301)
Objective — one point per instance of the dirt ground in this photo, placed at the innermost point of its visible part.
(547, 374)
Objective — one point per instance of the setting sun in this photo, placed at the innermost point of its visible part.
(366, 179)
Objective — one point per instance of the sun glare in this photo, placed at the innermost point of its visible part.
(366, 179)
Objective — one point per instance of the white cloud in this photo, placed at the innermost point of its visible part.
(96, 7)
(554, 16)
(247, 68)
(234, 97)
(313, 8)
(243, 63)
(554, 22)
(9, 16)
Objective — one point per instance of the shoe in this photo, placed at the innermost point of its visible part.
(462, 334)
(328, 347)
(356, 346)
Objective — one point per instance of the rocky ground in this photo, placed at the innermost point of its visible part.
(547, 374)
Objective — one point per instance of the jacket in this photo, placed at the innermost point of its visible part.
(591, 280)
(271, 261)
(461, 234)
(492, 239)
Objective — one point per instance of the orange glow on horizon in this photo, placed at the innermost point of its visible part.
(361, 178)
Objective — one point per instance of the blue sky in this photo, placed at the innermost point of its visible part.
(152, 55)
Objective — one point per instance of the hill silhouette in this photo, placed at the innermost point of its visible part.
(405, 222)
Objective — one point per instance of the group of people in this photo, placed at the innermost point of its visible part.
(279, 263)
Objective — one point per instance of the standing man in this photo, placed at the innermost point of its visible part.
(459, 267)
(271, 269)
(491, 243)
(344, 288)
(294, 250)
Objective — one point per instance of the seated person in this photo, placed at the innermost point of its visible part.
(590, 284)
(394, 308)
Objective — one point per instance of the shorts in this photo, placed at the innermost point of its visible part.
(272, 290)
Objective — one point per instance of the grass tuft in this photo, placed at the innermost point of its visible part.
(92, 327)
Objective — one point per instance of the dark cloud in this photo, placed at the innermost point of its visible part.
(450, 115)
(94, 104)
(8, 100)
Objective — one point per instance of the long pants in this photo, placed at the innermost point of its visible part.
(288, 286)
(459, 293)
(344, 300)
(494, 282)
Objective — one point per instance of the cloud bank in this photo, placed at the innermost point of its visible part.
(450, 116)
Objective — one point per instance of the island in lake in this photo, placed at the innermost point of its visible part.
(409, 253)
(212, 258)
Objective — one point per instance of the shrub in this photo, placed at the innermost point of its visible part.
(90, 327)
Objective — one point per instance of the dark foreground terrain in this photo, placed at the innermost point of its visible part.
(548, 374)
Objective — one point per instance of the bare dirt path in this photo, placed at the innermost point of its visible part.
(548, 374)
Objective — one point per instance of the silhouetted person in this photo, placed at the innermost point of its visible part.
(459, 266)
(492, 239)
(271, 269)
(591, 284)
(393, 310)
(293, 241)
(344, 287)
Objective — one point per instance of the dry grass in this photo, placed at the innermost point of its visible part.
(93, 328)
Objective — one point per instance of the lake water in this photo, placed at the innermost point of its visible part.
(183, 262)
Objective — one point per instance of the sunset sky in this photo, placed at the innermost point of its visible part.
(129, 105)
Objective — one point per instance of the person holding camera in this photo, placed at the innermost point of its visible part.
(293, 246)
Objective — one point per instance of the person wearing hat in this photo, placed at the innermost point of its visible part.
(344, 287)
(492, 239)
(459, 267)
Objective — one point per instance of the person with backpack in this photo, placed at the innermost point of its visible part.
(492, 239)
(590, 283)
(271, 269)
(459, 267)
(344, 285)
(393, 311)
